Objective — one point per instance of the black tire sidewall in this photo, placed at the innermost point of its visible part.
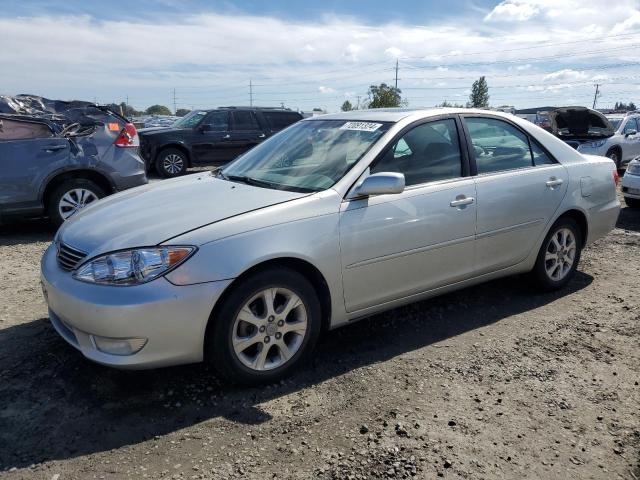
(539, 271)
(58, 193)
(632, 202)
(219, 346)
(159, 162)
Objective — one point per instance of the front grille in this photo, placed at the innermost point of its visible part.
(69, 257)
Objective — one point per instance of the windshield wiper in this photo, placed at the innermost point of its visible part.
(249, 181)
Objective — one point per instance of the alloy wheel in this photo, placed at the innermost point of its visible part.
(560, 254)
(75, 200)
(173, 163)
(269, 329)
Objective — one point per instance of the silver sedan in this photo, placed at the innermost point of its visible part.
(333, 219)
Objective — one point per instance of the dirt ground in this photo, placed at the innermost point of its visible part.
(495, 381)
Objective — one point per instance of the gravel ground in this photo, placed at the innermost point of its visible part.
(495, 381)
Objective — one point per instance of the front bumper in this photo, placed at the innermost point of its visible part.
(631, 185)
(171, 318)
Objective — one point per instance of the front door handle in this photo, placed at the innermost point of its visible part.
(554, 182)
(262, 135)
(54, 148)
(461, 201)
(226, 137)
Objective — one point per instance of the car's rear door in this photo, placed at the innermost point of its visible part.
(245, 131)
(519, 188)
(395, 246)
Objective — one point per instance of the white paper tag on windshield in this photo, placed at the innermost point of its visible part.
(361, 126)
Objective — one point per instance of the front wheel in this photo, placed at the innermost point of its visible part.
(71, 197)
(266, 327)
(632, 202)
(171, 162)
(614, 155)
(559, 255)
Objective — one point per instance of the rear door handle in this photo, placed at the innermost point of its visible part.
(461, 201)
(554, 182)
(54, 148)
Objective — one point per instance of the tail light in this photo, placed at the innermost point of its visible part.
(616, 177)
(128, 137)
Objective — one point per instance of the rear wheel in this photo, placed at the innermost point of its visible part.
(632, 202)
(171, 162)
(614, 154)
(559, 255)
(71, 197)
(265, 327)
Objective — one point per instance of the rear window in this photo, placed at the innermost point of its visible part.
(280, 120)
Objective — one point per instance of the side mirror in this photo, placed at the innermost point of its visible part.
(382, 183)
(629, 133)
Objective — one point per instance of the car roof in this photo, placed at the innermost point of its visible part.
(396, 114)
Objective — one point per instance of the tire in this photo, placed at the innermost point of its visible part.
(76, 190)
(248, 363)
(614, 154)
(632, 202)
(543, 271)
(171, 162)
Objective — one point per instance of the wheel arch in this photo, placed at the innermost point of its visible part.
(305, 268)
(58, 178)
(581, 219)
(177, 146)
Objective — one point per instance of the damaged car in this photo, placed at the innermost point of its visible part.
(591, 132)
(58, 157)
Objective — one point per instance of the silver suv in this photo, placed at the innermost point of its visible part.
(623, 146)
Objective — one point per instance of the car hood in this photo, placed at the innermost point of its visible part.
(579, 123)
(154, 213)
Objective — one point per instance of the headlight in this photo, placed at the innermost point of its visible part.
(595, 144)
(133, 267)
(633, 168)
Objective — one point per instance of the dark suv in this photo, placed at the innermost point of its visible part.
(210, 137)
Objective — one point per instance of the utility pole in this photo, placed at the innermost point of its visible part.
(595, 97)
(250, 93)
(175, 107)
(126, 106)
(396, 73)
(358, 106)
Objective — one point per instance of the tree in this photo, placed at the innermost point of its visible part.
(158, 110)
(384, 96)
(479, 97)
(346, 106)
(181, 112)
(451, 105)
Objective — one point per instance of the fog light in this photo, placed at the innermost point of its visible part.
(119, 346)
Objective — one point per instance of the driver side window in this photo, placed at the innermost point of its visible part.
(217, 121)
(426, 153)
(631, 125)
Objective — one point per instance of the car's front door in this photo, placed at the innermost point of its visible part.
(519, 188)
(631, 141)
(211, 139)
(245, 131)
(394, 246)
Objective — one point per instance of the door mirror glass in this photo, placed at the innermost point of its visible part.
(628, 133)
(383, 183)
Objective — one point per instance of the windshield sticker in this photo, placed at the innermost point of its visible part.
(361, 126)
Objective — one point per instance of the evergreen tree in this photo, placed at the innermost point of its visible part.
(479, 97)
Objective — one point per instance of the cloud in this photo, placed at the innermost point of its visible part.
(565, 75)
(510, 10)
(325, 90)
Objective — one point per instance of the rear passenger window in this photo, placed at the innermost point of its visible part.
(427, 153)
(498, 145)
(243, 120)
(280, 120)
(539, 155)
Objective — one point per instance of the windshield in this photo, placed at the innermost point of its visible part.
(615, 122)
(190, 120)
(308, 156)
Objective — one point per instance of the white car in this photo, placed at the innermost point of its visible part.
(631, 184)
(622, 146)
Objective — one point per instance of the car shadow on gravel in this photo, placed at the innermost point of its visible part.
(54, 404)
(18, 232)
(629, 219)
